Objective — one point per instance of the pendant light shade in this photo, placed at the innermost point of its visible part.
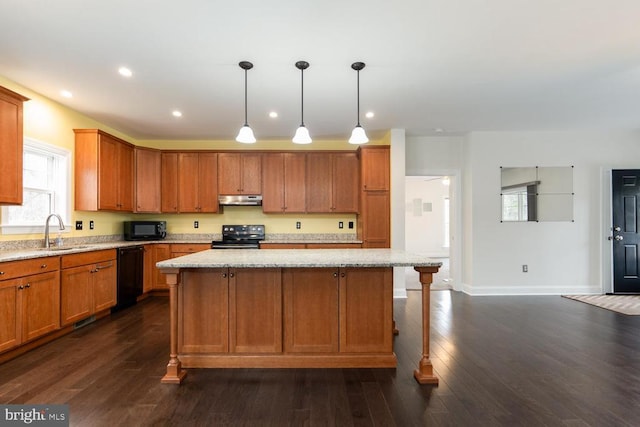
(358, 136)
(302, 134)
(246, 134)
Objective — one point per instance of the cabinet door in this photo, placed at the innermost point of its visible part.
(188, 184)
(169, 182)
(319, 186)
(273, 180)
(208, 182)
(10, 316)
(310, 310)
(147, 182)
(205, 296)
(295, 182)
(108, 188)
(366, 310)
(40, 305)
(375, 168)
(345, 183)
(251, 173)
(255, 310)
(104, 285)
(125, 177)
(149, 268)
(229, 173)
(375, 221)
(11, 147)
(75, 294)
(161, 253)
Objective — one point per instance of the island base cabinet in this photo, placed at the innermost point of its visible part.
(366, 310)
(230, 311)
(310, 310)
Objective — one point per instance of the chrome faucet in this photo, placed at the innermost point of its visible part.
(46, 228)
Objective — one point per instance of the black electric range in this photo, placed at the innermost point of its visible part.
(240, 237)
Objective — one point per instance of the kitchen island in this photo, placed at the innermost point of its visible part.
(289, 309)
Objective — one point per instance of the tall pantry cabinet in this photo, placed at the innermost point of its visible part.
(375, 199)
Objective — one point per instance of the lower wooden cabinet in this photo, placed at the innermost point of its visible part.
(231, 311)
(88, 284)
(29, 300)
(161, 252)
(288, 311)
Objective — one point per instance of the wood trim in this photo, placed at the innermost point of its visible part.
(310, 360)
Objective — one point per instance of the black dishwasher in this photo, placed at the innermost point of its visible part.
(130, 270)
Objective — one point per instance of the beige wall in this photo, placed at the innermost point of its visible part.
(50, 122)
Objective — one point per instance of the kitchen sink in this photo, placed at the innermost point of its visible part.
(63, 248)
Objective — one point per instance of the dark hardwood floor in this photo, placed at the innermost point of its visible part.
(502, 361)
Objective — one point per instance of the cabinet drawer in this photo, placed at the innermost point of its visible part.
(13, 269)
(84, 258)
(189, 247)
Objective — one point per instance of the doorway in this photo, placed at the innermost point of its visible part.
(625, 203)
(428, 218)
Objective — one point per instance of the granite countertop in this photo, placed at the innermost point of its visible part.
(247, 258)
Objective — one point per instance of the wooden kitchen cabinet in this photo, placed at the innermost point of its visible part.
(231, 311)
(284, 183)
(374, 224)
(197, 182)
(239, 173)
(310, 301)
(161, 252)
(375, 167)
(180, 249)
(11, 128)
(169, 182)
(366, 310)
(332, 183)
(30, 300)
(88, 283)
(149, 269)
(147, 180)
(103, 172)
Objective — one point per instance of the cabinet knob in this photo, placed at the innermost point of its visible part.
(224, 275)
(231, 274)
(43, 266)
(335, 274)
(20, 287)
(342, 274)
(1, 273)
(28, 285)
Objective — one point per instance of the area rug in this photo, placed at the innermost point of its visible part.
(625, 304)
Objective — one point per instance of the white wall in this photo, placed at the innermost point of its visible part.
(424, 229)
(563, 257)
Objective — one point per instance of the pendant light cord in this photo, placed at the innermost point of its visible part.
(302, 97)
(246, 123)
(358, 85)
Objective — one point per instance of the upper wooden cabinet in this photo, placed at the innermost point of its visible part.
(169, 182)
(375, 167)
(239, 173)
(103, 172)
(197, 182)
(284, 183)
(147, 182)
(11, 146)
(332, 182)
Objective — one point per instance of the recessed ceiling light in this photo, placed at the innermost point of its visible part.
(177, 113)
(125, 72)
(439, 130)
(65, 93)
(273, 114)
(369, 114)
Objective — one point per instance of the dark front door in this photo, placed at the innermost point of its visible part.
(626, 236)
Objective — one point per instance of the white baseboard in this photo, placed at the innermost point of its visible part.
(477, 290)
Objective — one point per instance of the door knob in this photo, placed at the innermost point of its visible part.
(617, 229)
(618, 237)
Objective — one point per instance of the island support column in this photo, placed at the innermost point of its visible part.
(175, 373)
(424, 373)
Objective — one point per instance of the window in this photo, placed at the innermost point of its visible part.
(46, 189)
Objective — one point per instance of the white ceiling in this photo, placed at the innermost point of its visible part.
(458, 65)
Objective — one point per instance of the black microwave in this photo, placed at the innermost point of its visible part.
(145, 230)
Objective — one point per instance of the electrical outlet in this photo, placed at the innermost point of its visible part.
(525, 268)
(91, 225)
(350, 224)
(298, 225)
(78, 225)
(340, 224)
(196, 224)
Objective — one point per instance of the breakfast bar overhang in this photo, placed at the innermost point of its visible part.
(273, 308)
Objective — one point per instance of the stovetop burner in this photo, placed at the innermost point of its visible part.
(240, 237)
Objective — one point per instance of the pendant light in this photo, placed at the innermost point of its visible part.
(358, 136)
(302, 134)
(246, 134)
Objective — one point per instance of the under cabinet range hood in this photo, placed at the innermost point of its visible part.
(240, 200)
